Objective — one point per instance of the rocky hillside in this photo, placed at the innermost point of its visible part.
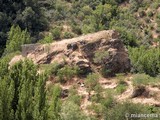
(82, 52)
(79, 59)
(102, 53)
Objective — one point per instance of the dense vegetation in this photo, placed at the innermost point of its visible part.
(23, 91)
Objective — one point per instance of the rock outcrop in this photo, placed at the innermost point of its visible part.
(81, 51)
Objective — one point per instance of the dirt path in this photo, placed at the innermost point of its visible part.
(106, 83)
(143, 100)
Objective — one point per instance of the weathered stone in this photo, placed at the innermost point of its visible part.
(72, 46)
(84, 66)
(140, 91)
(116, 62)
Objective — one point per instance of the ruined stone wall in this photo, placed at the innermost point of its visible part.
(29, 48)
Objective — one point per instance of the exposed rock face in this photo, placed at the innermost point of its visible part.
(81, 51)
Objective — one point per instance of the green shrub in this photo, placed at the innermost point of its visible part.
(105, 72)
(71, 111)
(141, 13)
(123, 111)
(98, 96)
(91, 81)
(120, 76)
(56, 33)
(74, 97)
(129, 38)
(143, 79)
(145, 60)
(155, 5)
(100, 56)
(88, 25)
(150, 14)
(67, 73)
(76, 29)
(98, 109)
(122, 86)
(46, 39)
(156, 39)
(87, 10)
(134, 5)
(104, 105)
(68, 35)
(158, 16)
(108, 101)
(50, 69)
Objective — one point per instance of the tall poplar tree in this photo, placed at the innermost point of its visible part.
(16, 38)
(6, 97)
(29, 102)
(40, 100)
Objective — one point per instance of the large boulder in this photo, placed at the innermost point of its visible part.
(117, 60)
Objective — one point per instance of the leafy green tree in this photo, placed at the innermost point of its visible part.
(71, 111)
(25, 106)
(91, 82)
(28, 14)
(46, 39)
(55, 106)
(40, 100)
(24, 76)
(4, 65)
(128, 27)
(29, 99)
(66, 73)
(145, 60)
(16, 38)
(6, 97)
(134, 5)
(99, 19)
(56, 33)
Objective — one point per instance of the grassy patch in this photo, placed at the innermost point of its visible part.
(51, 69)
(122, 85)
(121, 88)
(143, 79)
(67, 73)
